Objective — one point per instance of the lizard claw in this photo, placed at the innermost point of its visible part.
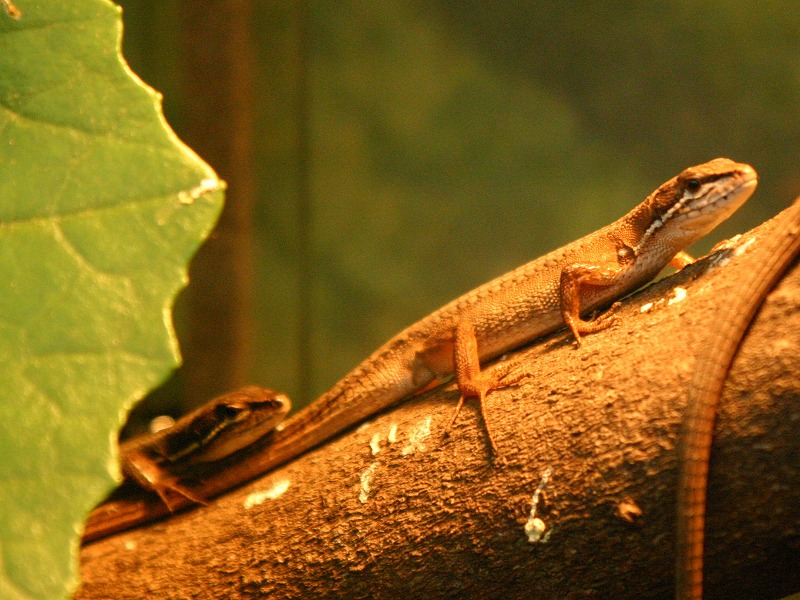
(604, 320)
(511, 376)
(164, 488)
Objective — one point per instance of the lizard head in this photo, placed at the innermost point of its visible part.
(226, 424)
(688, 206)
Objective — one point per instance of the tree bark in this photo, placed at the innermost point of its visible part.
(433, 517)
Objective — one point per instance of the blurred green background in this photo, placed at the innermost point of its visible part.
(384, 157)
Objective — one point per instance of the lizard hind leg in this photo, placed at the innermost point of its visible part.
(481, 396)
(472, 382)
(163, 489)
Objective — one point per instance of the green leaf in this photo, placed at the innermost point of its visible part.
(101, 207)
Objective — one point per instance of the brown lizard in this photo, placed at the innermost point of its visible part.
(166, 461)
(215, 431)
(713, 363)
(516, 308)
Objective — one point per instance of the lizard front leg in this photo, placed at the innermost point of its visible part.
(148, 474)
(577, 275)
(573, 278)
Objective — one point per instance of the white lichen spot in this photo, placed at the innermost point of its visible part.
(744, 246)
(725, 244)
(417, 437)
(375, 444)
(273, 493)
(599, 373)
(722, 253)
(392, 437)
(646, 307)
(535, 528)
(679, 294)
(366, 483)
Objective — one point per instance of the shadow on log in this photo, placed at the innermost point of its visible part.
(391, 509)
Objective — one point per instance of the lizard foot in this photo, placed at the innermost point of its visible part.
(171, 485)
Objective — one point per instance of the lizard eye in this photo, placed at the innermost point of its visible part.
(692, 185)
(229, 412)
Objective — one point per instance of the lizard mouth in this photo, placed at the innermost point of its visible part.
(699, 214)
(735, 192)
(696, 213)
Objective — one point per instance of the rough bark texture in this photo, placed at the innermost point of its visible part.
(428, 517)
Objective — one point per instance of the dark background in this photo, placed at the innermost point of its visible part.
(384, 157)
